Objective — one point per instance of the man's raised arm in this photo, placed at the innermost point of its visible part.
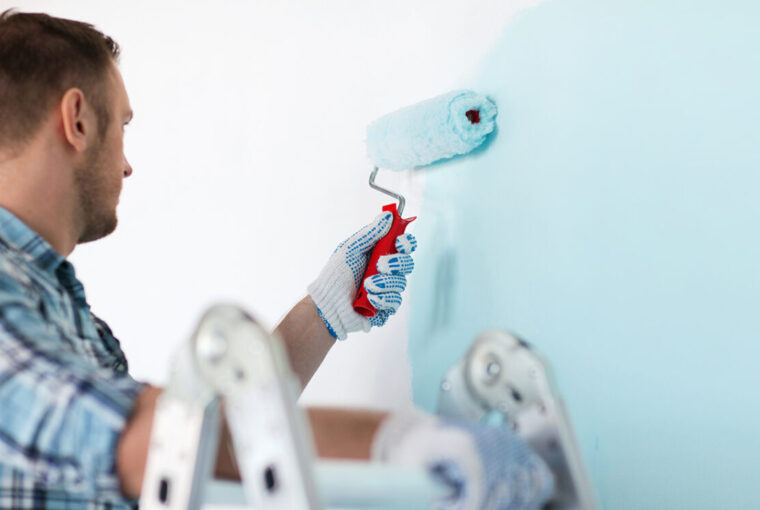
(327, 314)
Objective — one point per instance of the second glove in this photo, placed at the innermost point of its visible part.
(488, 468)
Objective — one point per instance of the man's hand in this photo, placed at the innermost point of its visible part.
(335, 288)
(487, 466)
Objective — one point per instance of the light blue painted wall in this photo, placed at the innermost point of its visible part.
(613, 222)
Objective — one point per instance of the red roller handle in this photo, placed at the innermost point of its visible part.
(385, 246)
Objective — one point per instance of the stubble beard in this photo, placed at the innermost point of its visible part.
(98, 211)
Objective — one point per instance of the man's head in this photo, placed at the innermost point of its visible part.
(58, 80)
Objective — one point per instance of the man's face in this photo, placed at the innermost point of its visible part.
(99, 179)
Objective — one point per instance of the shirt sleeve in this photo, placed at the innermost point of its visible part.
(60, 417)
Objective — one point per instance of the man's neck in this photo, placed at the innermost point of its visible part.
(37, 189)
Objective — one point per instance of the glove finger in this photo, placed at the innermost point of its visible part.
(397, 263)
(380, 283)
(380, 317)
(406, 243)
(385, 301)
(366, 238)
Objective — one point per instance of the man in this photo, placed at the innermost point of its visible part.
(74, 426)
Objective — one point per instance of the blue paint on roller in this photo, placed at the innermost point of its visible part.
(439, 128)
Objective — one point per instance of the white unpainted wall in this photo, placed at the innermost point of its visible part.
(249, 167)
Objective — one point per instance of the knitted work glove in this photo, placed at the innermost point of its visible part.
(487, 467)
(335, 288)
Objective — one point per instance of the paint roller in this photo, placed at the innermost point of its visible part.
(416, 136)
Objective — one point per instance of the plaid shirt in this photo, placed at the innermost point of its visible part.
(65, 393)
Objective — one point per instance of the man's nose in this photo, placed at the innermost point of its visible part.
(127, 168)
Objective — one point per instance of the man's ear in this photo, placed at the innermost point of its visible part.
(76, 117)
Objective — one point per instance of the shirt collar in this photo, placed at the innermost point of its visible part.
(15, 232)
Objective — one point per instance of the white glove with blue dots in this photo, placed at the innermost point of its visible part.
(335, 288)
(486, 467)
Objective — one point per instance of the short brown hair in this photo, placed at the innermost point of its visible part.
(40, 58)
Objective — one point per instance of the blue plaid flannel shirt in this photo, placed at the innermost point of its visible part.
(65, 393)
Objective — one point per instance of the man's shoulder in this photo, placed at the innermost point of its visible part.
(16, 276)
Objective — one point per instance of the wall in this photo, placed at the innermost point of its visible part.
(612, 222)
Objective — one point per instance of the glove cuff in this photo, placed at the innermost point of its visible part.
(330, 298)
(395, 429)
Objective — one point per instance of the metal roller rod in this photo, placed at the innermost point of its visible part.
(400, 198)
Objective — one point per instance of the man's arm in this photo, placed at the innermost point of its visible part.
(337, 434)
(306, 339)
(344, 433)
(327, 313)
(132, 450)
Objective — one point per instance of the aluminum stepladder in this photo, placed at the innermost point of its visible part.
(232, 362)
